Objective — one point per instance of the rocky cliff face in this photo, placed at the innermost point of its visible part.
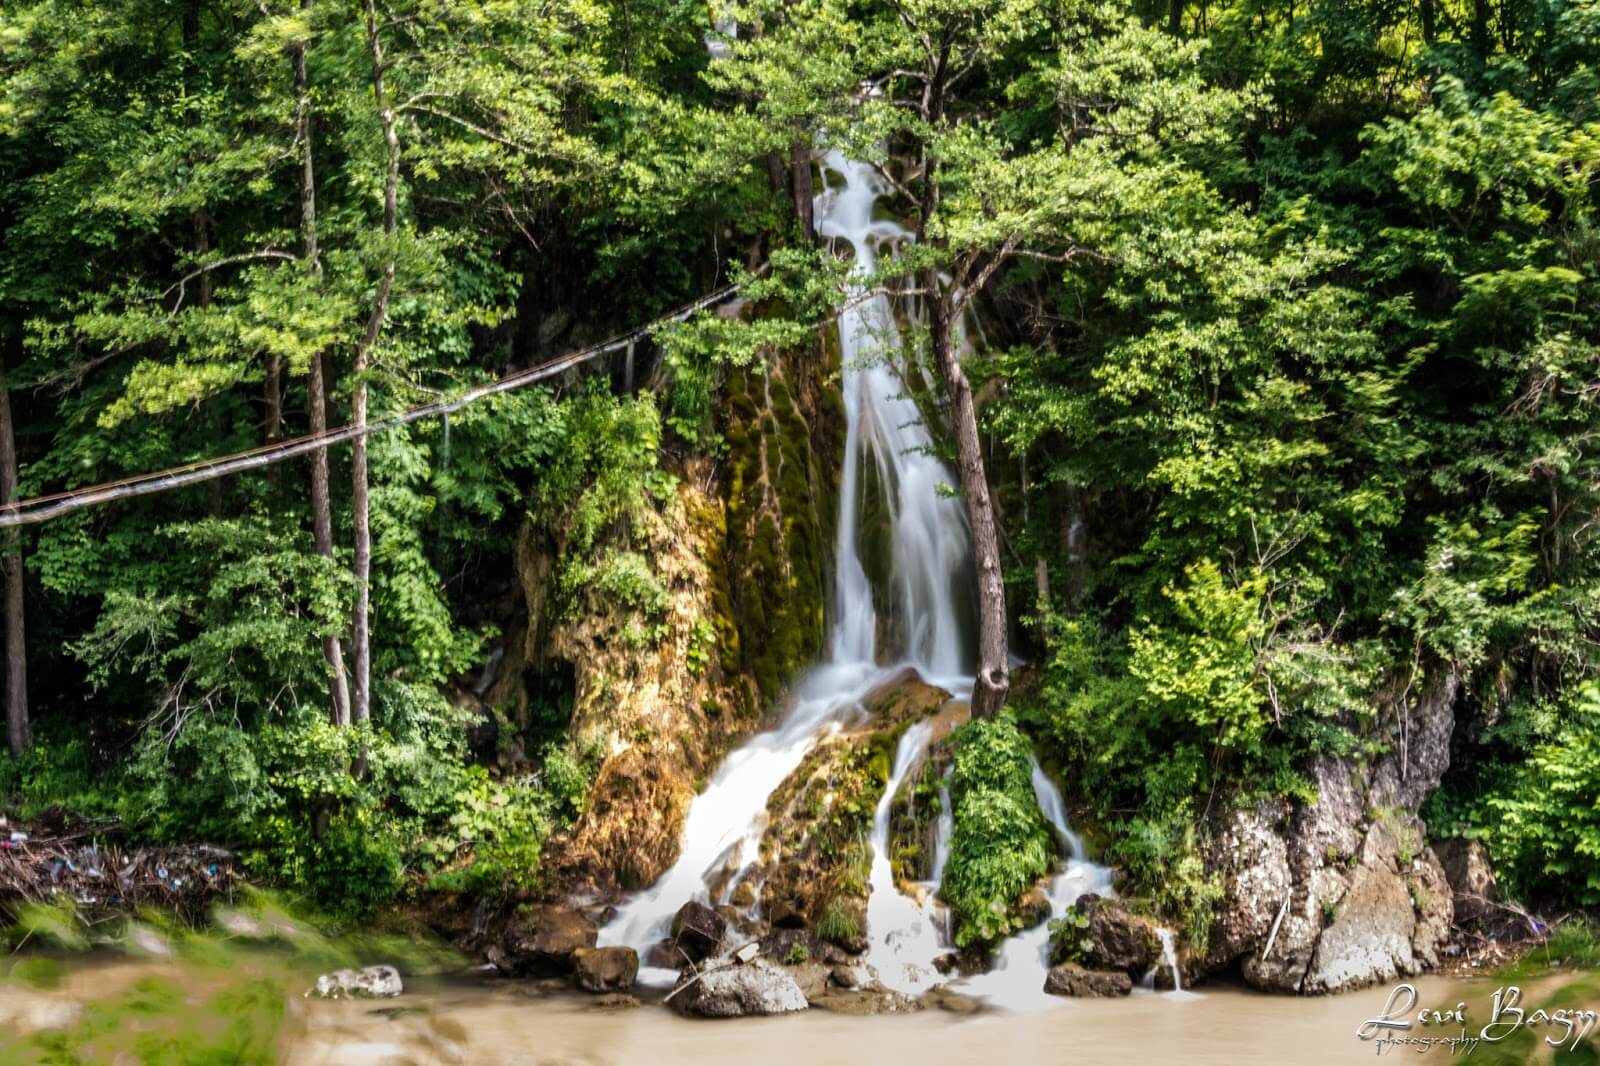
(1343, 892)
(742, 553)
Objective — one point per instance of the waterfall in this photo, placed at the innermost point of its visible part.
(1016, 981)
(904, 934)
(887, 449)
(929, 533)
(1169, 958)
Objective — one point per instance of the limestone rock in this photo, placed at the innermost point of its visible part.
(943, 997)
(761, 987)
(379, 982)
(1369, 939)
(605, 969)
(1070, 979)
(870, 1000)
(543, 939)
(1341, 892)
(1116, 938)
(1471, 878)
(698, 930)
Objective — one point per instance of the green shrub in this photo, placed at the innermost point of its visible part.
(838, 924)
(1537, 814)
(1001, 844)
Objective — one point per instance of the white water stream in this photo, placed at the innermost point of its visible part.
(889, 463)
(1016, 981)
(888, 452)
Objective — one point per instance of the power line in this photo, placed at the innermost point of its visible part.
(44, 508)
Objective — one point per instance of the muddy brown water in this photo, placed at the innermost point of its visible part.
(1223, 1025)
(506, 1023)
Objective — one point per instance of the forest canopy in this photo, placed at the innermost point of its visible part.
(1284, 402)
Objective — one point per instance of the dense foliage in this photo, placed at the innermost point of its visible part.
(1288, 384)
(1001, 844)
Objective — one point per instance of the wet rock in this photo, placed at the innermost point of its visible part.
(379, 982)
(966, 963)
(614, 1001)
(849, 976)
(698, 930)
(743, 895)
(862, 1001)
(1471, 878)
(1033, 908)
(542, 940)
(665, 955)
(1070, 979)
(812, 977)
(605, 969)
(943, 997)
(1116, 939)
(759, 988)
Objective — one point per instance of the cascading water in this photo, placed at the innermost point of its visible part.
(904, 933)
(1015, 981)
(931, 548)
(888, 452)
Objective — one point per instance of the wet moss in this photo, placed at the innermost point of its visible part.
(775, 494)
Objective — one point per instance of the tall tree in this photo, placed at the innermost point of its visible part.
(19, 732)
(316, 366)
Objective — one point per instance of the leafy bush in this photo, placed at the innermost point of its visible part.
(1001, 844)
(1537, 814)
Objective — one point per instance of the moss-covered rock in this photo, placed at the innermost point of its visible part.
(780, 492)
(816, 852)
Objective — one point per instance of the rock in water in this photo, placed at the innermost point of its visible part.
(762, 987)
(698, 930)
(543, 940)
(1116, 938)
(378, 982)
(1070, 979)
(605, 969)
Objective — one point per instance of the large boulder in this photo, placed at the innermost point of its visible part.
(1471, 878)
(697, 930)
(543, 940)
(605, 969)
(1070, 979)
(1342, 892)
(756, 988)
(1116, 939)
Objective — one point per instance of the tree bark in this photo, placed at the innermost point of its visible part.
(361, 691)
(1175, 17)
(19, 732)
(1430, 22)
(804, 195)
(993, 680)
(317, 381)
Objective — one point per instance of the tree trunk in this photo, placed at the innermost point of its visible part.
(19, 734)
(804, 195)
(1175, 17)
(993, 680)
(1430, 22)
(1075, 544)
(361, 690)
(1480, 28)
(317, 376)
